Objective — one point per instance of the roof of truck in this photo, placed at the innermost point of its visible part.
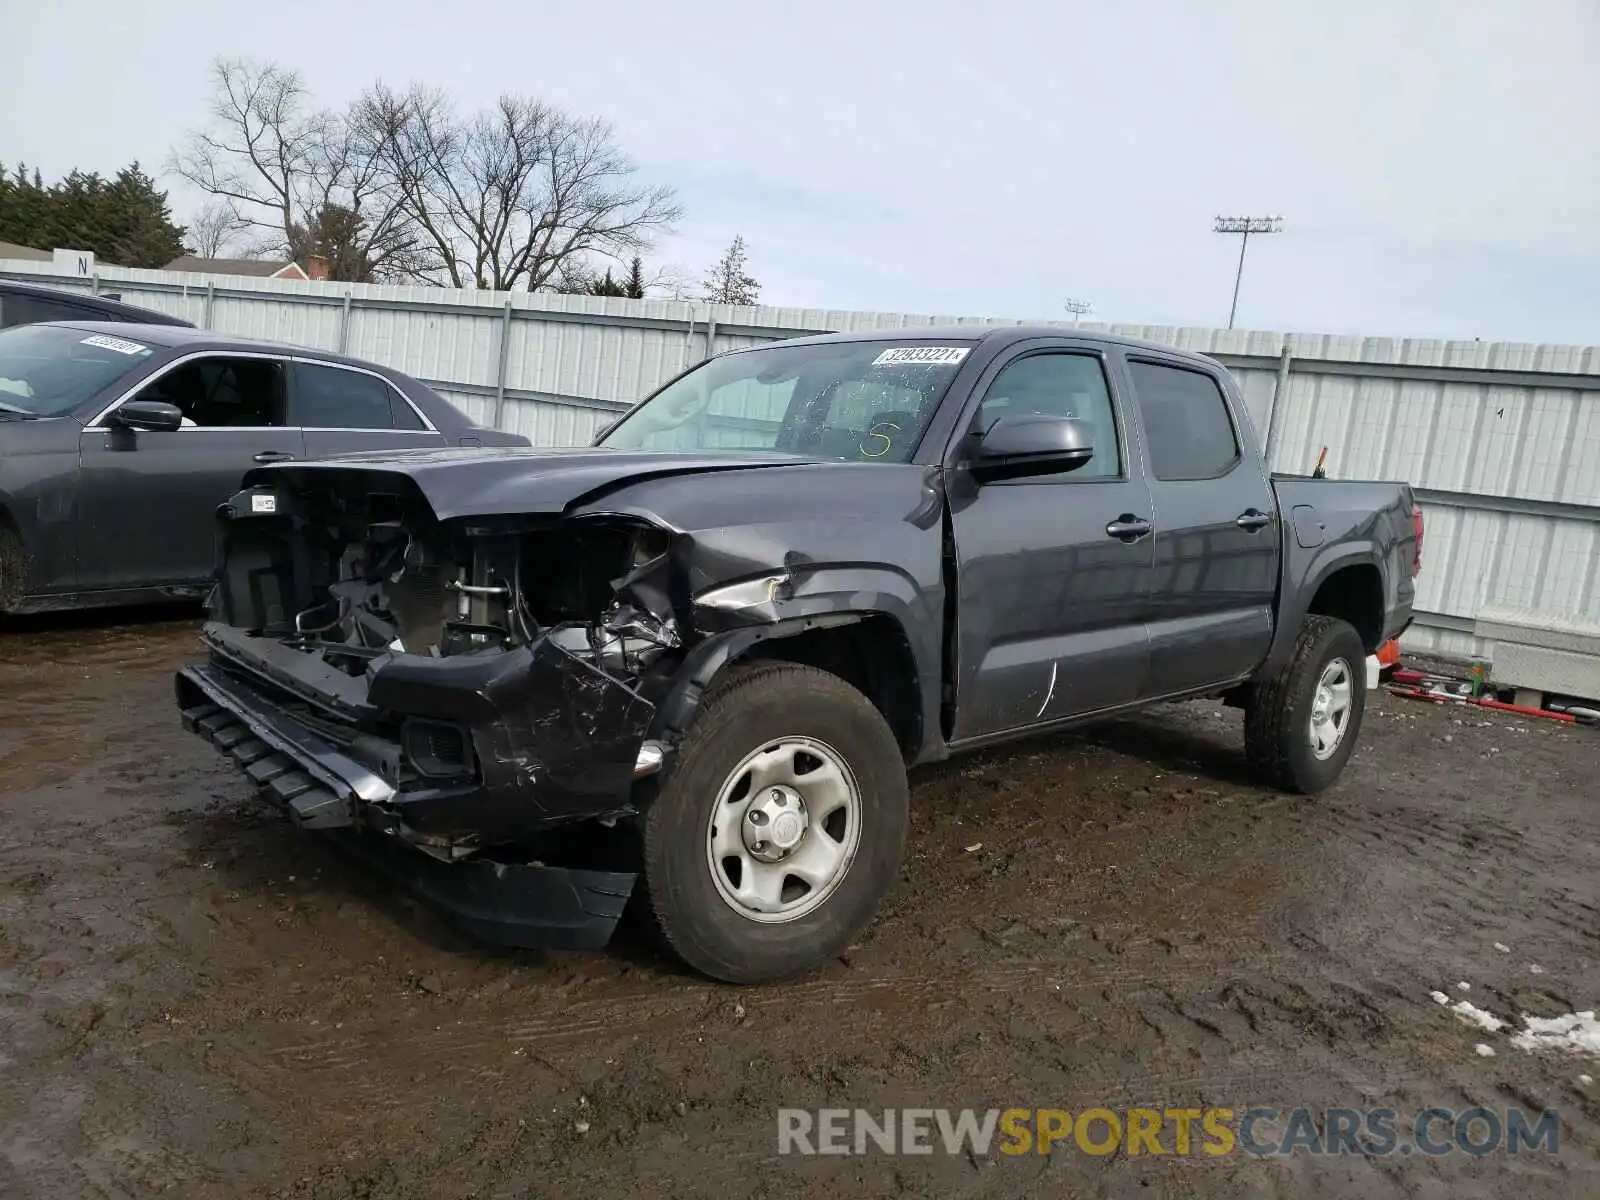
(996, 335)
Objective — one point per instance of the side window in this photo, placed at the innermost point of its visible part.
(221, 392)
(334, 398)
(1063, 385)
(402, 415)
(1186, 422)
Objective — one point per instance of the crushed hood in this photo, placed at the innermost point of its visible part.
(490, 481)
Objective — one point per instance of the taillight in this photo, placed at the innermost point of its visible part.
(1416, 524)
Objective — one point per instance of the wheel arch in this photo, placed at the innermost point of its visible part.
(1352, 592)
(870, 649)
(1349, 594)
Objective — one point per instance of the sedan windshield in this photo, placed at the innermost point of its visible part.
(49, 370)
(856, 401)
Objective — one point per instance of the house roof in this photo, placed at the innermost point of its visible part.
(261, 268)
(26, 253)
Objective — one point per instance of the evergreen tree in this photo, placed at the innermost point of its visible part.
(728, 282)
(633, 288)
(125, 221)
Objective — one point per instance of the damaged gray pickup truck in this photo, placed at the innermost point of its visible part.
(690, 665)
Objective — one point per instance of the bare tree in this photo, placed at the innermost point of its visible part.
(280, 163)
(402, 186)
(728, 282)
(518, 195)
(212, 230)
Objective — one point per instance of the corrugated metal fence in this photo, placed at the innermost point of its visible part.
(1502, 440)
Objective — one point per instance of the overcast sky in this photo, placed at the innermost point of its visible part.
(1436, 162)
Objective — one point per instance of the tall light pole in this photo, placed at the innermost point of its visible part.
(1077, 308)
(1244, 226)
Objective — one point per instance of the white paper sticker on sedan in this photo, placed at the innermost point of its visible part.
(117, 344)
(263, 503)
(933, 356)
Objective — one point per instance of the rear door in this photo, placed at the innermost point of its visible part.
(1215, 575)
(148, 500)
(1052, 570)
(343, 409)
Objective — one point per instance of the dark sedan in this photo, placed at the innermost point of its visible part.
(118, 441)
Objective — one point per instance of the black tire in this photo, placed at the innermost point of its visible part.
(755, 706)
(13, 569)
(1277, 716)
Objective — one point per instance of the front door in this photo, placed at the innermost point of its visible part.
(149, 500)
(1217, 541)
(1053, 570)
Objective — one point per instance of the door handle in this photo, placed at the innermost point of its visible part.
(272, 456)
(1253, 519)
(1129, 528)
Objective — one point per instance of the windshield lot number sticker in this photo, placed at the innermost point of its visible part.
(117, 344)
(263, 504)
(932, 356)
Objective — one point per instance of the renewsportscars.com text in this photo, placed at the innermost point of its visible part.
(1261, 1131)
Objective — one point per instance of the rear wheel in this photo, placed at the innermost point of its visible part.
(779, 828)
(1300, 727)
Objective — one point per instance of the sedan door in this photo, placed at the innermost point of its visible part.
(344, 408)
(148, 500)
(1053, 571)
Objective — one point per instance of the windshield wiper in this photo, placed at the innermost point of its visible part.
(8, 410)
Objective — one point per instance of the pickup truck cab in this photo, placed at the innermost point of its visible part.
(704, 651)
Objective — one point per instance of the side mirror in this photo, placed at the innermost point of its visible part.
(1033, 444)
(152, 416)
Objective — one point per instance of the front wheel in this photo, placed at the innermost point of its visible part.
(778, 829)
(13, 569)
(1300, 726)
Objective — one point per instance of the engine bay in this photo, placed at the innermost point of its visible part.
(353, 577)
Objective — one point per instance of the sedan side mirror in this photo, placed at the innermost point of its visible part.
(153, 416)
(1033, 444)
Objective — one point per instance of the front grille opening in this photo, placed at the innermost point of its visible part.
(437, 749)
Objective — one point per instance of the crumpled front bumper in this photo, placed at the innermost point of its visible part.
(321, 786)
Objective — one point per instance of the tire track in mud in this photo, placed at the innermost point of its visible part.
(360, 1063)
(1143, 926)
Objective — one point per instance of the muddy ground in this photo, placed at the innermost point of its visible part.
(196, 1000)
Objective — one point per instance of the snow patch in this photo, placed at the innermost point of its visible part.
(1502, 947)
(1473, 1015)
(1484, 1051)
(1469, 1012)
(1576, 1032)
(1464, 986)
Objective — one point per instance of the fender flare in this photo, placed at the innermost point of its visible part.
(1337, 558)
(701, 666)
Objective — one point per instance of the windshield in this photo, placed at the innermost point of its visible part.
(856, 401)
(49, 370)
